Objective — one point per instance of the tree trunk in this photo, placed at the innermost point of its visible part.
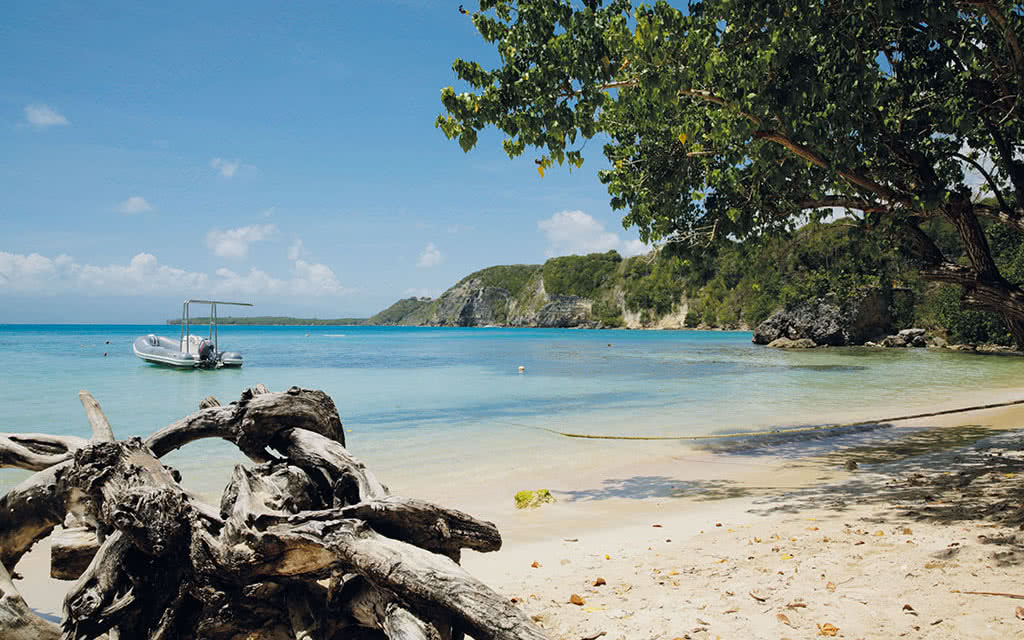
(984, 287)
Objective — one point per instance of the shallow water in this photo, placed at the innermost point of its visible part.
(421, 401)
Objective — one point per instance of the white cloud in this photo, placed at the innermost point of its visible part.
(227, 168)
(296, 250)
(576, 232)
(134, 204)
(143, 274)
(431, 256)
(634, 247)
(43, 115)
(234, 243)
(314, 279)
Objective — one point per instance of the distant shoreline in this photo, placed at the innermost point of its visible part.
(364, 322)
(278, 321)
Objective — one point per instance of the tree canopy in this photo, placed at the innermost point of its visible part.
(731, 118)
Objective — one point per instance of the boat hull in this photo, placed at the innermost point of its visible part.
(166, 352)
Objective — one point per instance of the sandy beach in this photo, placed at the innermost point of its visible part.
(797, 548)
(779, 539)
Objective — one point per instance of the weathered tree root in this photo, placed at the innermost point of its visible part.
(170, 566)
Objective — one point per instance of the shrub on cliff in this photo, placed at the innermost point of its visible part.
(511, 277)
(580, 276)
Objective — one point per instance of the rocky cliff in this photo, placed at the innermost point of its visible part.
(522, 296)
(509, 295)
(827, 321)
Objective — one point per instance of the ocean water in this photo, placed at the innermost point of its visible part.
(420, 402)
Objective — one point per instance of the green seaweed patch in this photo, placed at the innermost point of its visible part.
(532, 499)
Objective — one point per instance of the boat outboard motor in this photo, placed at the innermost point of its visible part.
(207, 351)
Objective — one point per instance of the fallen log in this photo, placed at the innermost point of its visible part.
(163, 564)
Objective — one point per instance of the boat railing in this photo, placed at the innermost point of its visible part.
(186, 320)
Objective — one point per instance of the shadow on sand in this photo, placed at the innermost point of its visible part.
(641, 487)
(946, 475)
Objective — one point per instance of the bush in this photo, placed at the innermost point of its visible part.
(510, 277)
(654, 286)
(964, 325)
(579, 275)
(607, 313)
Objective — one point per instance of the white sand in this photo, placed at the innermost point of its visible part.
(802, 542)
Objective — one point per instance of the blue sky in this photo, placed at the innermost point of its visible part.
(283, 154)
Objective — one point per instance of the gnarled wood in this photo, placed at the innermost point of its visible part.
(101, 431)
(36, 451)
(71, 551)
(30, 511)
(171, 566)
(331, 465)
(253, 421)
(432, 583)
(417, 522)
(374, 609)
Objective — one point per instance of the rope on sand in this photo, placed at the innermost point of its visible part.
(770, 432)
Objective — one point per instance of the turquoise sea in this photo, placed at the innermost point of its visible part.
(419, 402)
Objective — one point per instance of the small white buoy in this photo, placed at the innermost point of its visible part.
(522, 369)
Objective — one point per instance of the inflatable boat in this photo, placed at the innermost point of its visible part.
(189, 351)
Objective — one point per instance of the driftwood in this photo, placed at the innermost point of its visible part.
(305, 544)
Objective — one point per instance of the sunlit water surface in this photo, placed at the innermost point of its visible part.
(418, 402)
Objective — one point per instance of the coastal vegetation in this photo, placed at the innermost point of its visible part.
(729, 285)
(732, 122)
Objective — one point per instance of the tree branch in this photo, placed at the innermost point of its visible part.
(36, 451)
(999, 19)
(30, 511)
(922, 246)
(845, 202)
(707, 96)
(815, 158)
(988, 178)
(1011, 217)
(101, 431)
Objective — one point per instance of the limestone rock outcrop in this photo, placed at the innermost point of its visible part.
(826, 321)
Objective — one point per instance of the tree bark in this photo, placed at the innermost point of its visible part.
(71, 551)
(164, 565)
(984, 287)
